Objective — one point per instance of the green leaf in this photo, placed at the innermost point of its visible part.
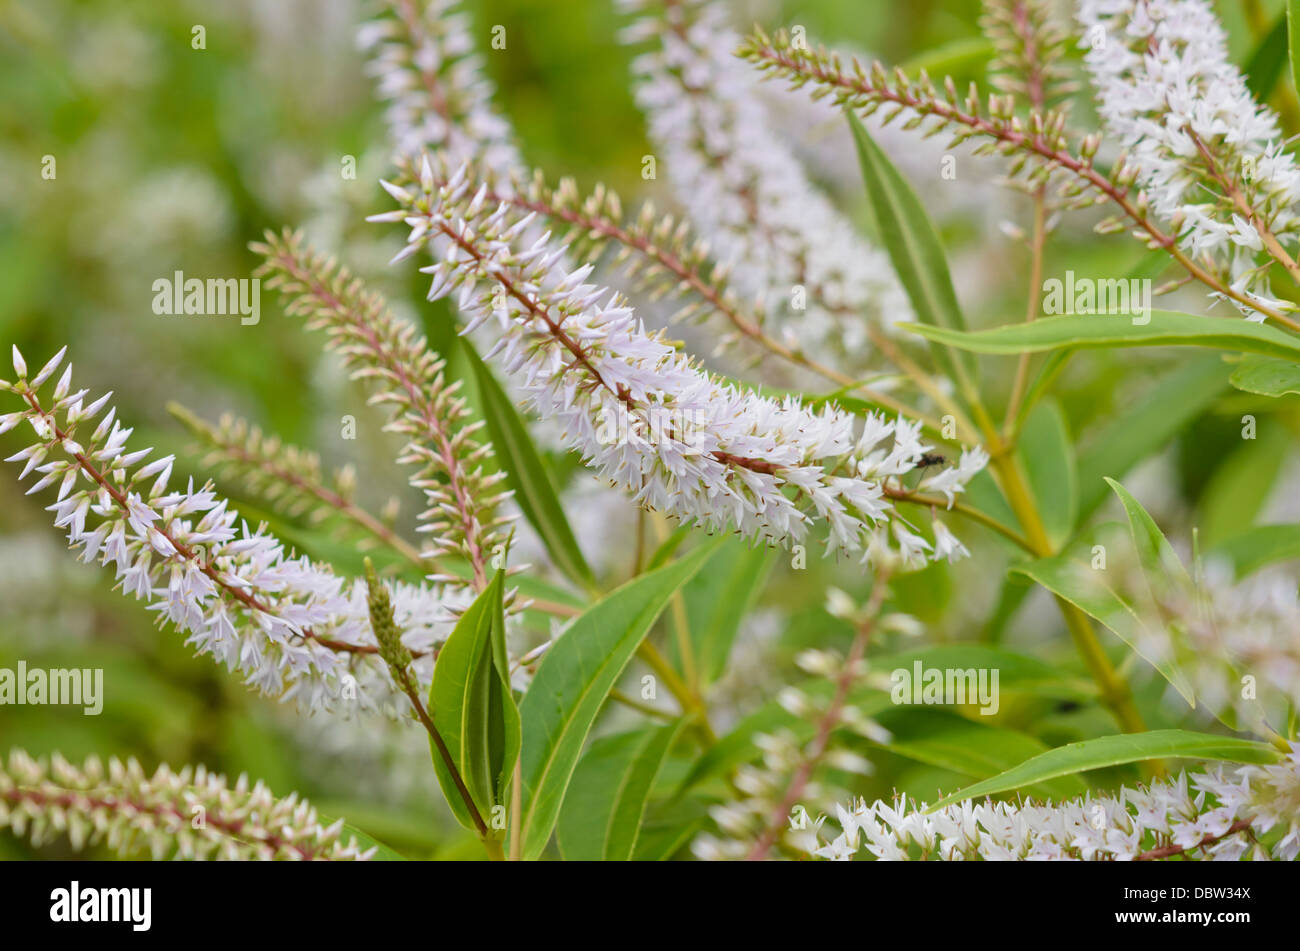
(1241, 485)
(1154, 551)
(970, 747)
(1264, 545)
(605, 805)
(573, 680)
(526, 473)
(1014, 591)
(1165, 328)
(738, 747)
(668, 547)
(982, 493)
(1155, 418)
(1293, 28)
(718, 598)
(966, 54)
(473, 708)
(1115, 751)
(383, 853)
(1266, 376)
(1266, 63)
(1048, 459)
(913, 245)
(669, 826)
(1016, 672)
(1084, 588)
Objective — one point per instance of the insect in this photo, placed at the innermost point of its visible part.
(930, 459)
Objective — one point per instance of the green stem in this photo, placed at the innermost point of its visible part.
(1036, 249)
(959, 508)
(690, 702)
(490, 843)
(634, 704)
(1114, 690)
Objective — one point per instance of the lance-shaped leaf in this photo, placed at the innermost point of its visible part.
(1156, 554)
(605, 806)
(526, 473)
(1260, 546)
(1293, 35)
(717, 600)
(1165, 328)
(1115, 751)
(972, 748)
(1048, 459)
(1148, 425)
(473, 708)
(572, 682)
(914, 247)
(1266, 376)
(1265, 66)
(1086, 590)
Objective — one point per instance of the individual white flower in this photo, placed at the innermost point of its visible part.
(947, 545)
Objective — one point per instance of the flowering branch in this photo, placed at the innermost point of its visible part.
(776, 235)
(1231, 806)
(192, 814)
(439, 97)
(581, 360)
(828, 723)
(426, 409)
(1168, 91)
(660, 253)
(287, 623)
(1043, 140)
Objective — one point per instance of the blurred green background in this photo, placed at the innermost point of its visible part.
(170, 158)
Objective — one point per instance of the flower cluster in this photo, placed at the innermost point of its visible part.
(292, 627)
(700, 449)
(1208, 156)
(422, 55)
(425, 409)
(1030, 45)
(1224, 813)
(193, 814)
(778, 238)
(1038, 147)
(778, 794)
